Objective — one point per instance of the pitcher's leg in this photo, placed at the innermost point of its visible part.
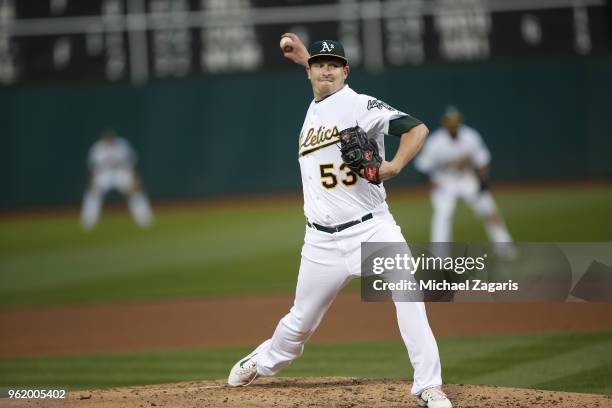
(317, 286)
(413, 324)
(421, 345)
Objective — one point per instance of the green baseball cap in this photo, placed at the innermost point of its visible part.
(327, 48)
(452, 112)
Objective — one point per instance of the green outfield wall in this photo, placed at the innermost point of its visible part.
(233, 134)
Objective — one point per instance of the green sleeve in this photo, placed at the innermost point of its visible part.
(399, 126)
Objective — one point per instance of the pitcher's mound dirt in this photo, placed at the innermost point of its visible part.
(314, 392)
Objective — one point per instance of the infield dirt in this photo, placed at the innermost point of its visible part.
(246, 321)
(224, 322)
(311, 392)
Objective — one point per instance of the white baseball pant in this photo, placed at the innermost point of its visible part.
(444, 201)
(329, 262)
(122, 180)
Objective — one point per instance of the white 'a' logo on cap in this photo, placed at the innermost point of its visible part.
(327, 47)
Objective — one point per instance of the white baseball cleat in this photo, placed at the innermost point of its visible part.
(434, 398)
(243, 372)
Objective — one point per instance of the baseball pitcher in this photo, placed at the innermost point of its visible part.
(111, 164)
(342, 160)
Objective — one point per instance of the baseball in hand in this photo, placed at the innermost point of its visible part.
(286, 44)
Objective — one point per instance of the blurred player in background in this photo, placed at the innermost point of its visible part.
(457, 162)
(111, 165)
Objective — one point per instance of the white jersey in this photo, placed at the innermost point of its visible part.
(111, 154)
(332, 193)
(441, 151)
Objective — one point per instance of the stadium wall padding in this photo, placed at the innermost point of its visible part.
(233, 134)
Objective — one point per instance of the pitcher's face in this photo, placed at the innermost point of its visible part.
(327, 75)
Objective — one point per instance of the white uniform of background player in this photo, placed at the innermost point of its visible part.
(333, 197)
(111, 163)
(456, 160)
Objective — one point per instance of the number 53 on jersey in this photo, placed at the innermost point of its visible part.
(329, 176)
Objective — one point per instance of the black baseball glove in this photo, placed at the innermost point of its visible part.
(360, 153)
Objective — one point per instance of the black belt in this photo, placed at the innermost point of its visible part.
(341, 227)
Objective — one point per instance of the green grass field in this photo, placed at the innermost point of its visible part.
(567, 362)
(217, 251)
(232, 250)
